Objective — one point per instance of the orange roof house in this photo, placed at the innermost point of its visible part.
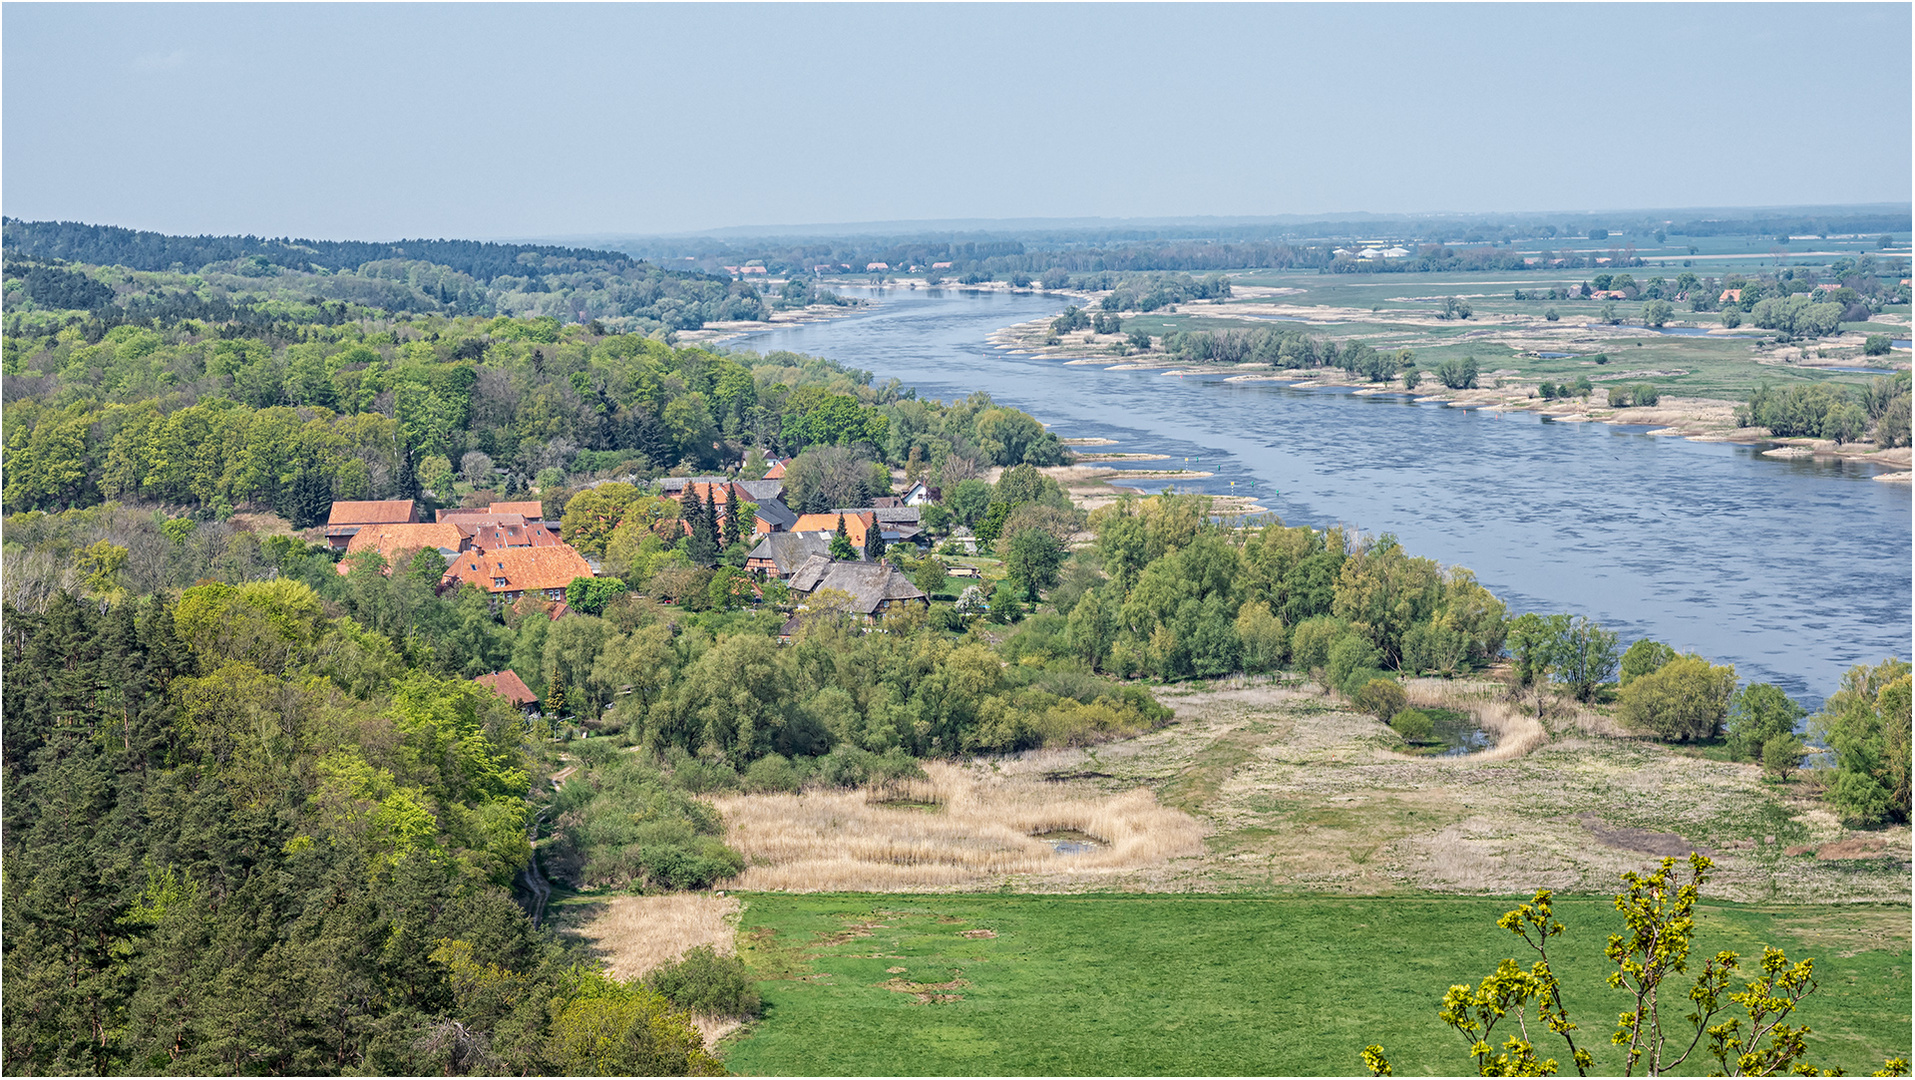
(519, 571)
(1729, 295)
(350, 515)
(530, 511)
(397, 543)
(777, 470)
(507, 531)
(854, 525)
(510, 687)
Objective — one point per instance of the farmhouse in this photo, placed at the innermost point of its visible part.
(509, 686)
(874, 587)
(779, 554)
(349, 516)
(856, 524)
(398, 543)
(510, 573)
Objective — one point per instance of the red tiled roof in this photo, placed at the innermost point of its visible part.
(776, 472)
(509, 534)
(530, 511)
(509, 686)
(394, 540)
(520, 568)
(854, 525)
(374, 512)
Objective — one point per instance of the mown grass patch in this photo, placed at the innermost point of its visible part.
(1181, 985)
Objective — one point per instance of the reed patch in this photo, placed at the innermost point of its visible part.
(983, 827)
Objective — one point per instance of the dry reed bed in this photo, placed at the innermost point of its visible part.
(980, 832)
(640, 933)
(1516, 731)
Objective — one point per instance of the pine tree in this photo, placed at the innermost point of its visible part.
(309, 500)
(873, 542)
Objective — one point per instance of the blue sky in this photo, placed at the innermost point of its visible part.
(374, 121)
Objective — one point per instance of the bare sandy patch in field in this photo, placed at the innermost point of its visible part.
(965, 826)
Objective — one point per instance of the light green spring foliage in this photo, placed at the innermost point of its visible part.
(1658, 910)
(1866, 723)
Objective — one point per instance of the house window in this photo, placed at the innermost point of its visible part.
(498, 583)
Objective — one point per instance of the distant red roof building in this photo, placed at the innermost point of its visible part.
(518, 571)
(510, 687)
(854, 525)
(777, 470)
(349, 516)
(398, 543)
(1730, 295)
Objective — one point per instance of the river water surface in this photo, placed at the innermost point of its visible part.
(1791, 570)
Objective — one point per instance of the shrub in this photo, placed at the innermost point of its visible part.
(1876, 345)
(1458, 374)
(1349, 654)
(1759, 713)
(773, 772)
(1381, 698)
(708, 984)
(1783, 755)
(1310, 642)
(1644, 657)
(1414, 725)
(1686, 699)
(1550, 314)
(1732, 318)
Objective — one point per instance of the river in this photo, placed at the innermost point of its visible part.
(1791, 570)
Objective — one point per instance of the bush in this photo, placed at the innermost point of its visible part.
(1759, 713)
(1381, 698)
(1876, 345)
(1414, 725)
(1732, 318)
(1310, 642)
(1686, 699)
(1644, 657)
(1783, 755)
(1349, 654)
(1458, 374)
(708, 984)
(1550, 314)
(772, 773)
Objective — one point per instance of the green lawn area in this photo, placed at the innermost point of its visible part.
(1197, 985)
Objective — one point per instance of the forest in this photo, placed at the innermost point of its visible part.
(119, 277)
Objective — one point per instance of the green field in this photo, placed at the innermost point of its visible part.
(1189, 985)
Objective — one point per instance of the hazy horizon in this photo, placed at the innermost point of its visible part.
(509, 121)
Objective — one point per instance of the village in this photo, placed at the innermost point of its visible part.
(511, 550)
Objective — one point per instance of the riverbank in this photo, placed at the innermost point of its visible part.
(714, 333)
(1699, 419)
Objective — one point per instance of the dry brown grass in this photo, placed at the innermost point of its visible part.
(640, 933)
(980, 832)
(1517, 731)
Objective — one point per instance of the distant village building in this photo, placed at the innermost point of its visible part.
(877, 266)
(1730, 296)
(398, 543)
(780, 554)
(855, 525)
(349, 516)
(509, 686)
(510, 573)
(874, 588)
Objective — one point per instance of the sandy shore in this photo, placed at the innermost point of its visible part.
(716, 332)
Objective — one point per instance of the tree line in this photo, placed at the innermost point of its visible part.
(190, 417)
(55, 267)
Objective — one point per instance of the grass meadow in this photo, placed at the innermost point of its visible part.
(1225, 985)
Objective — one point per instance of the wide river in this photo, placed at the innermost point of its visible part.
(1791, 570)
